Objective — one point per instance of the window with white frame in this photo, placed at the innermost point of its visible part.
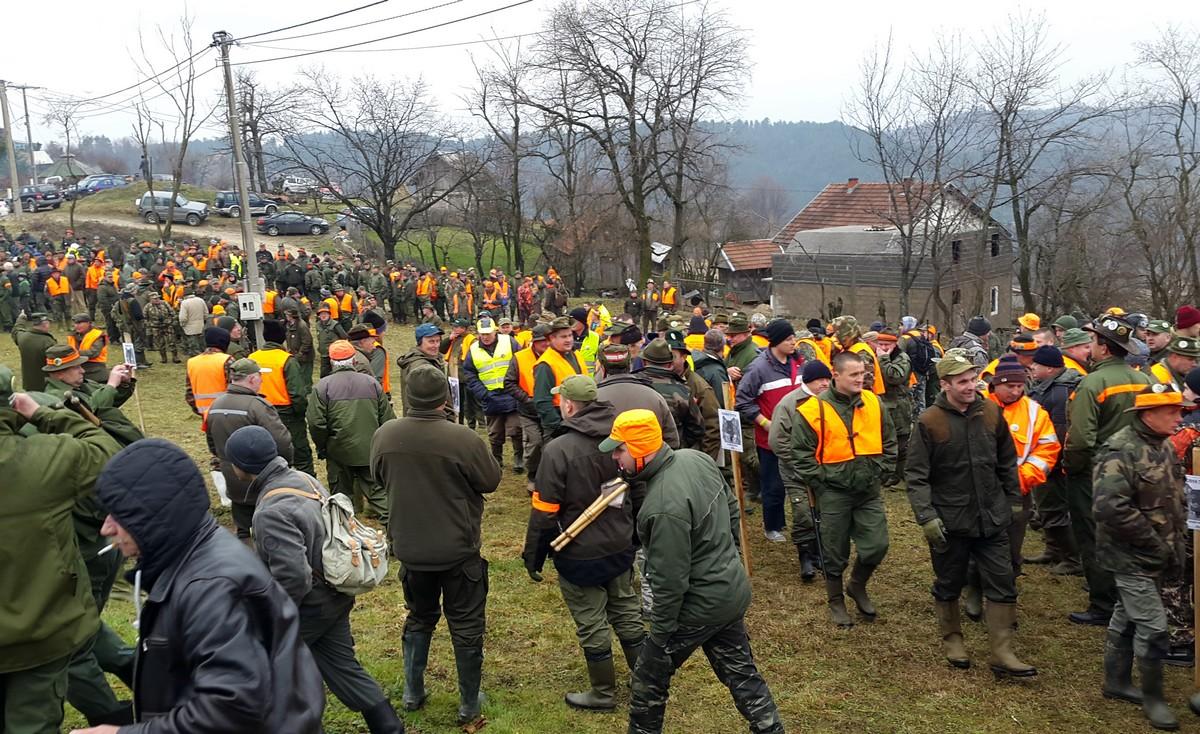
(995, 300)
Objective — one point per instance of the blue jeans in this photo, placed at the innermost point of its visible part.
(770, 487)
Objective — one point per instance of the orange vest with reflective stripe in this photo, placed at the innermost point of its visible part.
(561, 367)
(274, 386)
(835, 445)
(863, 348)
(1035, 440)
(60, 288)
(89, 340)
(526, 359)
(206, 375)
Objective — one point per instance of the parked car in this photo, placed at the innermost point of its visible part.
(292, 223)
(227, 203)
(154, 205)
(296, 185)
(330, 194)
(92, 184)
(41, 196)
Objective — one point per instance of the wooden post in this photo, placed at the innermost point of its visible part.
(730, 395)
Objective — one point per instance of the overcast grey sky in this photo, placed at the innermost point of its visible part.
(805, 54)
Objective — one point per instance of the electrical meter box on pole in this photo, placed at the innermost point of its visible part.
(250, 306)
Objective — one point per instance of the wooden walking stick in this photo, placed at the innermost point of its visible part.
(730, 398)
(609, 491)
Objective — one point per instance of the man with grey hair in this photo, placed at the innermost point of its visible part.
(709, 363)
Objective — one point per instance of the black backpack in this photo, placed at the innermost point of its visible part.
(921, 354)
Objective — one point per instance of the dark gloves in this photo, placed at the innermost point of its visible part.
(537, 548)
(533, 565)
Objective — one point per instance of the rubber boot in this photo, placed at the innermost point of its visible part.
(499, 457)
(857, 590)
(950, 627)
(602, 697)
(163, 354)
(469, 663)
(972, 603)
(1001, 619)
(808, 571)
(175, 357)
(518, 456)
(1118, 669)
(632, 651)
(1194, 703)
(382, 719)
(416, 659)
(837, 602)
(1154, 706)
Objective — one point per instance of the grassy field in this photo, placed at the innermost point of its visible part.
(883, 677)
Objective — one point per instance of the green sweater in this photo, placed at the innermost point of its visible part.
(688, 525)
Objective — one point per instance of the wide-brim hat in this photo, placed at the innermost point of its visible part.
(61, 357)
(1115, 329)
(1158, 396)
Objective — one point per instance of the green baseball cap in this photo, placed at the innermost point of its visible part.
(1075, 337)
(955, 362)
(1066, 322)
(246, 367)
(580, 388)
(1158, 326)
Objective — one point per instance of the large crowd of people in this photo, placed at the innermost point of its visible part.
(1081, 429)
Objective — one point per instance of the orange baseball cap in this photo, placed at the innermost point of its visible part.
(341, 349)
(1030, 321)
(637, 430)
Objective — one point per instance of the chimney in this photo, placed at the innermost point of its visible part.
(851, 183)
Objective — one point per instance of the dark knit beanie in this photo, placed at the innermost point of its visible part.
(1192, 380)
(226, 322)
(979, 326)
(697, 326)
(1008, 369)
(274, 331)
(216, 337)
(778, 331)
(427, 387)
(579, 314)
(251, 449)
(815, 370)
(815, 326)
(1048, 355)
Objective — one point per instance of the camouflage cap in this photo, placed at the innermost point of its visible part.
(82, 318)
(1158, 326)
(1184, 346)
(955, 362)
(658, 352)
(540, 332)
(560, 323)
(846, 327)
(1075, 338)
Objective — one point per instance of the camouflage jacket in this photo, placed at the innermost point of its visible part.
(974, 347)
(686, 410)
(1138, 503)
(159, 315)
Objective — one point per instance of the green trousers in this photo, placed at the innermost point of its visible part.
(857, 516)
(1102, 590)
(31, 701)
(356, 483)
(87, 687)
(302, 456)
(596, 609)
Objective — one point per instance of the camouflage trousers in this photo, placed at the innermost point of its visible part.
(162, 340)
(727, 648)
(1177, 597)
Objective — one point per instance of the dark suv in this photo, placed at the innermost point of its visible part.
(227, 203)
(42, 196)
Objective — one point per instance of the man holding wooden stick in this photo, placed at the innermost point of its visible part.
(595, 568)
(688, 524)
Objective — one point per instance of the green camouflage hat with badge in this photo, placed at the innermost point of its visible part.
(955, 362)
(1158, 326)
(1184, 346)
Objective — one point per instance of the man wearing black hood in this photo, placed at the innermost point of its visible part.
(220, 650)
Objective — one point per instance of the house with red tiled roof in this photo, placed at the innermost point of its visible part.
(857, 246)
(744, 267)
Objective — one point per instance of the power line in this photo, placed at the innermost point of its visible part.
(387, 38)
(310, 22)
(71, 98)
(407, 48)
(361, 25)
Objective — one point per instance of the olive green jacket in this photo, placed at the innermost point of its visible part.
(1138, 503)
(742, 355)
(861, 474)
(49, 610)
(1098, 411)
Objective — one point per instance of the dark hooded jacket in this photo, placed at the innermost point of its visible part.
(220, 647)
(410, 359)
(568, 482)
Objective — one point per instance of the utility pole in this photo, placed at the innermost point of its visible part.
(28, 131)
(241, 173)
(12, 149)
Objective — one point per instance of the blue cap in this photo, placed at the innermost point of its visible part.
(425, 330)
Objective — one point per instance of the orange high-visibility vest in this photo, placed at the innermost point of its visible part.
(423, 287)
(561, 367)
(333, 307)
(503, 288)
(1035, 439)
(206, 375)
(88, 341)
(1072, 364)
(386, 383)
(214, 251)
(695, 342)
(61, 287)
(669, 297)
(172, 294)
(269, 302)
(92, 278)
(863, 348)
(346, 305)
(526, 359)
(116, 279)
(274, 386)
(835, 445)
(821, 352)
